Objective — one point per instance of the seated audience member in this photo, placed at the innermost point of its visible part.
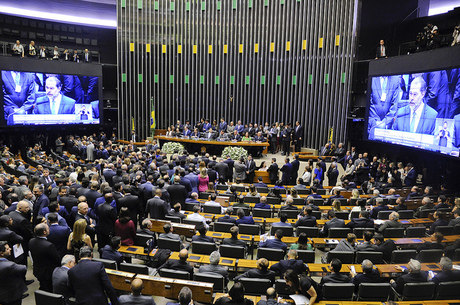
(447, 274)
(136, 297)
(282, 222)
(196, 215)
(313, 194)
(243, 219)
(252, 192)
(234, 240)
(427, 204)
(180, 264)
(202, 236)
(110, 251)
(303, 285)
(413, 274)
(333, 222)
(176, 211)
(348, 244)
(373, 199)
(456, 220)
(381, 206)
(271, 298)
(146, 227)
(335, 276)
(275, 243)
(60, 276)
(289, 205)
(369, 275)
(414, 193)
(367, 244)
(292, 262)
(307, 220)
(193, 198)
(392, 222)
(235, 297)
(434, 243)
(184, 297)
(442, 203)
(240, 203)
(168, 233)
(214, 267)
(213, 203)
(261, 272)
(262, 204)
(228, 216)
(302, 243)
(311, 205)
(336, 195)
(440, 220)
(400, 204)
(362, 222)
(260, 182)
(384, 246)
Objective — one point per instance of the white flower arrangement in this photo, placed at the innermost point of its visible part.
(235, 152)
(172, 147)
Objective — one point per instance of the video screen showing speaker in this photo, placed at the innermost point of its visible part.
(31, 98)
(420, 110)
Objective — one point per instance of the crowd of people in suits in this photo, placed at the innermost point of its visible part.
(43, 52)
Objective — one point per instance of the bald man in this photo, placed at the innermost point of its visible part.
(135, 298)
(82, 213)
(180, 264)
(23, 227)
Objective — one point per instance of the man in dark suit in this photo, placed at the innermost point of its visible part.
(411, 176)
(54, 102)
(180, 264)
(58, 234)
(261, 272)
(202, 236)
(384, 246)
(89, 282)
(273, 171)
(177, 191)
(298, 136)
(307, 220)
(333, 222)
(156, 207)
(130, 201)
(381, 206)
(295, 169)
(369, 275)
(223, 170)
(40, 202)
(18, 92)
(332, 174)
(392, 222)
(292, 262)
(413, 274)
(417, 117)
(136, 297)
(23, 227)
(107, 215)
(230, 163)
(92, 194)
(227, 217)
(6, 234)
(12, 286)
(286, 139)
(447, 274)
(362, 222)
(381, 51)
(60, 276)
(271, 298)
(213, 267)
(45, 257)
(335, 276)
(287, 172)
(82, 213)
(233, 240)
(250, 169)
(275, 243)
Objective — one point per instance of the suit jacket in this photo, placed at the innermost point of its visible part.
(274, 244)
(201, 238)
(107, 216)
(216, 269)
(90, 283)
(452, 223)
(287, 172)
(306, 221)
(60, 282)
(240, 171)
(409, 278)
(390, 224)
(360, 223)
(157, 208)
(129, 299)
(284, 265)
(446, 276)
(226, 218)
(45, 258)
(14, 100)
(234, 242)
(178, 193)
(372, 277)
(175, 264)
(273, 172)
(333, 223)
(258, 274)
(21, 226)
(10, 237)
(42, 106)
(384, 103)
(222, 169)
(58, 236)
(426, 124)
(366, 246)
(335, 278)
(132, 203)
(13, 283)
(91, 196)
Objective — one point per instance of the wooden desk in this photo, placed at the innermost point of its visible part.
(179, 228)
(251, 263)
(204, 259)
(135, 251)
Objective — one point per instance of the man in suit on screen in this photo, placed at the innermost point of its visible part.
(54, 102)
(18, 92)
(417, 117)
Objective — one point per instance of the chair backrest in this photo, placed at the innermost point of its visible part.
(359, 231)
(208, 277)
(393, 232)
(303, 191)
(457, 229)
(316, 214)
(291, 214)
(48, 298)
(166, 243)
(270, 254)
(338, 291)
(222, 187)
(425, 213)
(212, 209)
(310, 231)
(231, 251)
(204, 195)
(307, 256)
(265, 213)
(287, 231)
(448, 291)
(346, 257)
(374, 291)
(281, 288)
(249, 229)
(245, 210)
(192, 222)
(402, 256)
(298, 201)
(240, 188)
(342, 215)
(223, 226)
(134, 268)
(188, 206)
(255, 286)
(200, 247)
(457, 255)
(339, 232)
(384, 215)
(174, 274)
(173, 218)
(406, 214)
(430, 256)
(415, 232)
(143, 240)
(355, 214)
(318, 201)
(108, 263)
(251, 199)
(374, 257)
(273, 200)
(418, 291)
(263, 190)
(321, 191)
(445, 230)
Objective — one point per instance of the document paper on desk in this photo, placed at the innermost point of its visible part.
(299, 299)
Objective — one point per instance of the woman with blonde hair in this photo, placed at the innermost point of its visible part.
(203, 180)
(336, 206)
(78, 238)
(456, 205)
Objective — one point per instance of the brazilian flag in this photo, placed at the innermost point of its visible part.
(152, 117)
